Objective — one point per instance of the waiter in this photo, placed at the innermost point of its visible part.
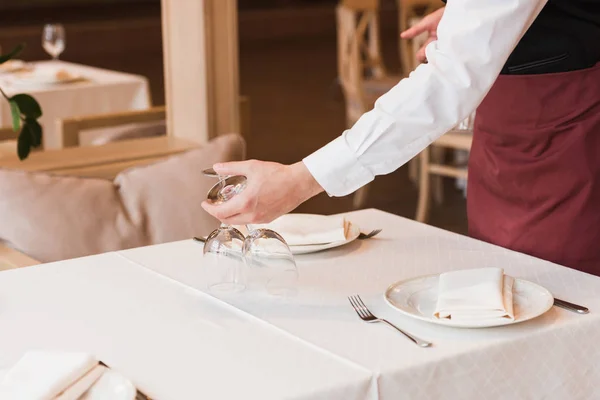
(532, 70)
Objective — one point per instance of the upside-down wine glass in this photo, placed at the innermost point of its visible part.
(268, 259)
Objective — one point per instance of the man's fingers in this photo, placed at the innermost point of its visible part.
(232, 168)
(228, 209)
(421, 55)
(415, 30)
(239, 219)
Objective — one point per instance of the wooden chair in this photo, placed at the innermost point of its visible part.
(430, 165)
(432, 168)
(362, 75)
(410, 12)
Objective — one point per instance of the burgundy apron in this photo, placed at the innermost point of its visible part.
(534, 168)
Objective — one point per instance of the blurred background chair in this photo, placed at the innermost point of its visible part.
(432, 164)
(409, 13)
(361, 71)
(109, 197)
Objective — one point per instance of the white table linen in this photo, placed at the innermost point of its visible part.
(103, 91)
(43, 375)
(172, 342)
(475, 294)
(302, 229)
(554, 356)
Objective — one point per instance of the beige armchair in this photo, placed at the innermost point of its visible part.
(78, 201)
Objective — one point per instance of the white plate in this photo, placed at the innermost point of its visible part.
(12, 66)
(417, 298)
(352, 234)
(44, 77)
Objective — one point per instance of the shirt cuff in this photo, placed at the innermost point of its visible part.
(337, 169)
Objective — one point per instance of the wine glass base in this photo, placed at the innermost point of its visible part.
(227, 287)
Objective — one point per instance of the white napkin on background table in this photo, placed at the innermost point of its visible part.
(475, 294)
(47, 375)
(303, 229)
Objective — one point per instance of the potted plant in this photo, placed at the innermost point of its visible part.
(25, 112)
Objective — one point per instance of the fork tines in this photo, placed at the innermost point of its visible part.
(359, 306)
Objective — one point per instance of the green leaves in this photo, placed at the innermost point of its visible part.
(24, 145)
(16, 115)
(28, 106)
(31, 136)
(25, 111)
(15, 52)
(33, 129)
(25, 108)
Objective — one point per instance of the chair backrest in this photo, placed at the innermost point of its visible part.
(69, 129)
(358, 51)
(410, 12)
(369, 41)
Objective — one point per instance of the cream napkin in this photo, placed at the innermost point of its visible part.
(47, 375)
(475, 294)
(303, 229)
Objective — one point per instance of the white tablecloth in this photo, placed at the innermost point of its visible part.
(171, 341)
(552, 357)
(144, 312)
(102, 91)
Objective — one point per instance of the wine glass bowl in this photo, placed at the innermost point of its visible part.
(224, 261)
(270, 263)
(54, 40)
(227, 188)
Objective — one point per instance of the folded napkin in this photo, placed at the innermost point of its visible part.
(303, 229)
(475, 294)
(48, 375)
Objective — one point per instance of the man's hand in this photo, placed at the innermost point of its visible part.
(272, 190)
(428, 24)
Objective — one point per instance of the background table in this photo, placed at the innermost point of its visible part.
(102, 91)
(146, 313)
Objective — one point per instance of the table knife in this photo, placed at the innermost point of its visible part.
(571, 307)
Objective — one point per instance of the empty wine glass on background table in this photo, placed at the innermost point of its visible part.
(54, 39)
(269, 260)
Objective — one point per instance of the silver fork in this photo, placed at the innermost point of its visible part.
(367, 316)
(369, 235)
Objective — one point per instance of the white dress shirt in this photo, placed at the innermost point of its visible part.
(475, 38)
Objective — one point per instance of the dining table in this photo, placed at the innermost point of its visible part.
(94, 91)
(148, 314)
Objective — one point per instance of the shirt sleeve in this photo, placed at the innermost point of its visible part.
(475, 38)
